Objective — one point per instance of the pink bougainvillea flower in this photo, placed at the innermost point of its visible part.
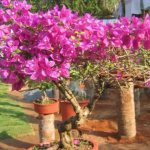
(127, 41)
(64, 71)
(39, 68)
(119, 75)
(4, 73)
(147, 44)
(136, 44)
(76, 142)
(18, 5)
(43, 45)
(13, 44)
(18, 85)
(147, 83)
(54, 74)
(114, 58)
(5, 3)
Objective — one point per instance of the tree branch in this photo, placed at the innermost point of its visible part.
(69, 95)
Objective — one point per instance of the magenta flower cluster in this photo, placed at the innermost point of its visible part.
(42, 46)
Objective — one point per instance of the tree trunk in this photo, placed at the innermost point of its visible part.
(137, 101)
(66, 127)
(46, 128)
(126, 112)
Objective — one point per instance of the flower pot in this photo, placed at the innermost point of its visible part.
(139, 85)
(47, 108)
(32, 148)
(94, 144)
(92, 141)
(66, 108)
(46, 119)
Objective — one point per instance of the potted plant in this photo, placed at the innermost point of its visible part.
(47, 46)
(44, 105)
(46, 108)
(78, 89)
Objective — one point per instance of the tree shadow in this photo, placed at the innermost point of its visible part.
(15, 114)
(11, 141)
(6, 95)
(13, 105)
(18, 99)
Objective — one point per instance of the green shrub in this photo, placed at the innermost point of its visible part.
(100, 8)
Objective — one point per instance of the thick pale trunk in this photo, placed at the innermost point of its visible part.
(46, 128)
(126, 112)
(137, 101)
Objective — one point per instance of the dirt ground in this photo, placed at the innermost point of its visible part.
(101, 126)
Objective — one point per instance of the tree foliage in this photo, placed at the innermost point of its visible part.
(100, 8)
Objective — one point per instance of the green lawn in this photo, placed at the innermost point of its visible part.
(13, 121)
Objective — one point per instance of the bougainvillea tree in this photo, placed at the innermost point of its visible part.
(47, 46)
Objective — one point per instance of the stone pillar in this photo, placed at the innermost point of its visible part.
(46, 128)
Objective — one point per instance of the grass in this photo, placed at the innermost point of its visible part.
(13, 121)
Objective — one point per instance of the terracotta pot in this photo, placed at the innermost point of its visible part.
(95, 144)
(47, 108)
(139, 84)
(124, 74)
(66, 109)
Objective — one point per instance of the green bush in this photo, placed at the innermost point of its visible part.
(100, 8)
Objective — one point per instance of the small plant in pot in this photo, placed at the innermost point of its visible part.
(46, 107)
